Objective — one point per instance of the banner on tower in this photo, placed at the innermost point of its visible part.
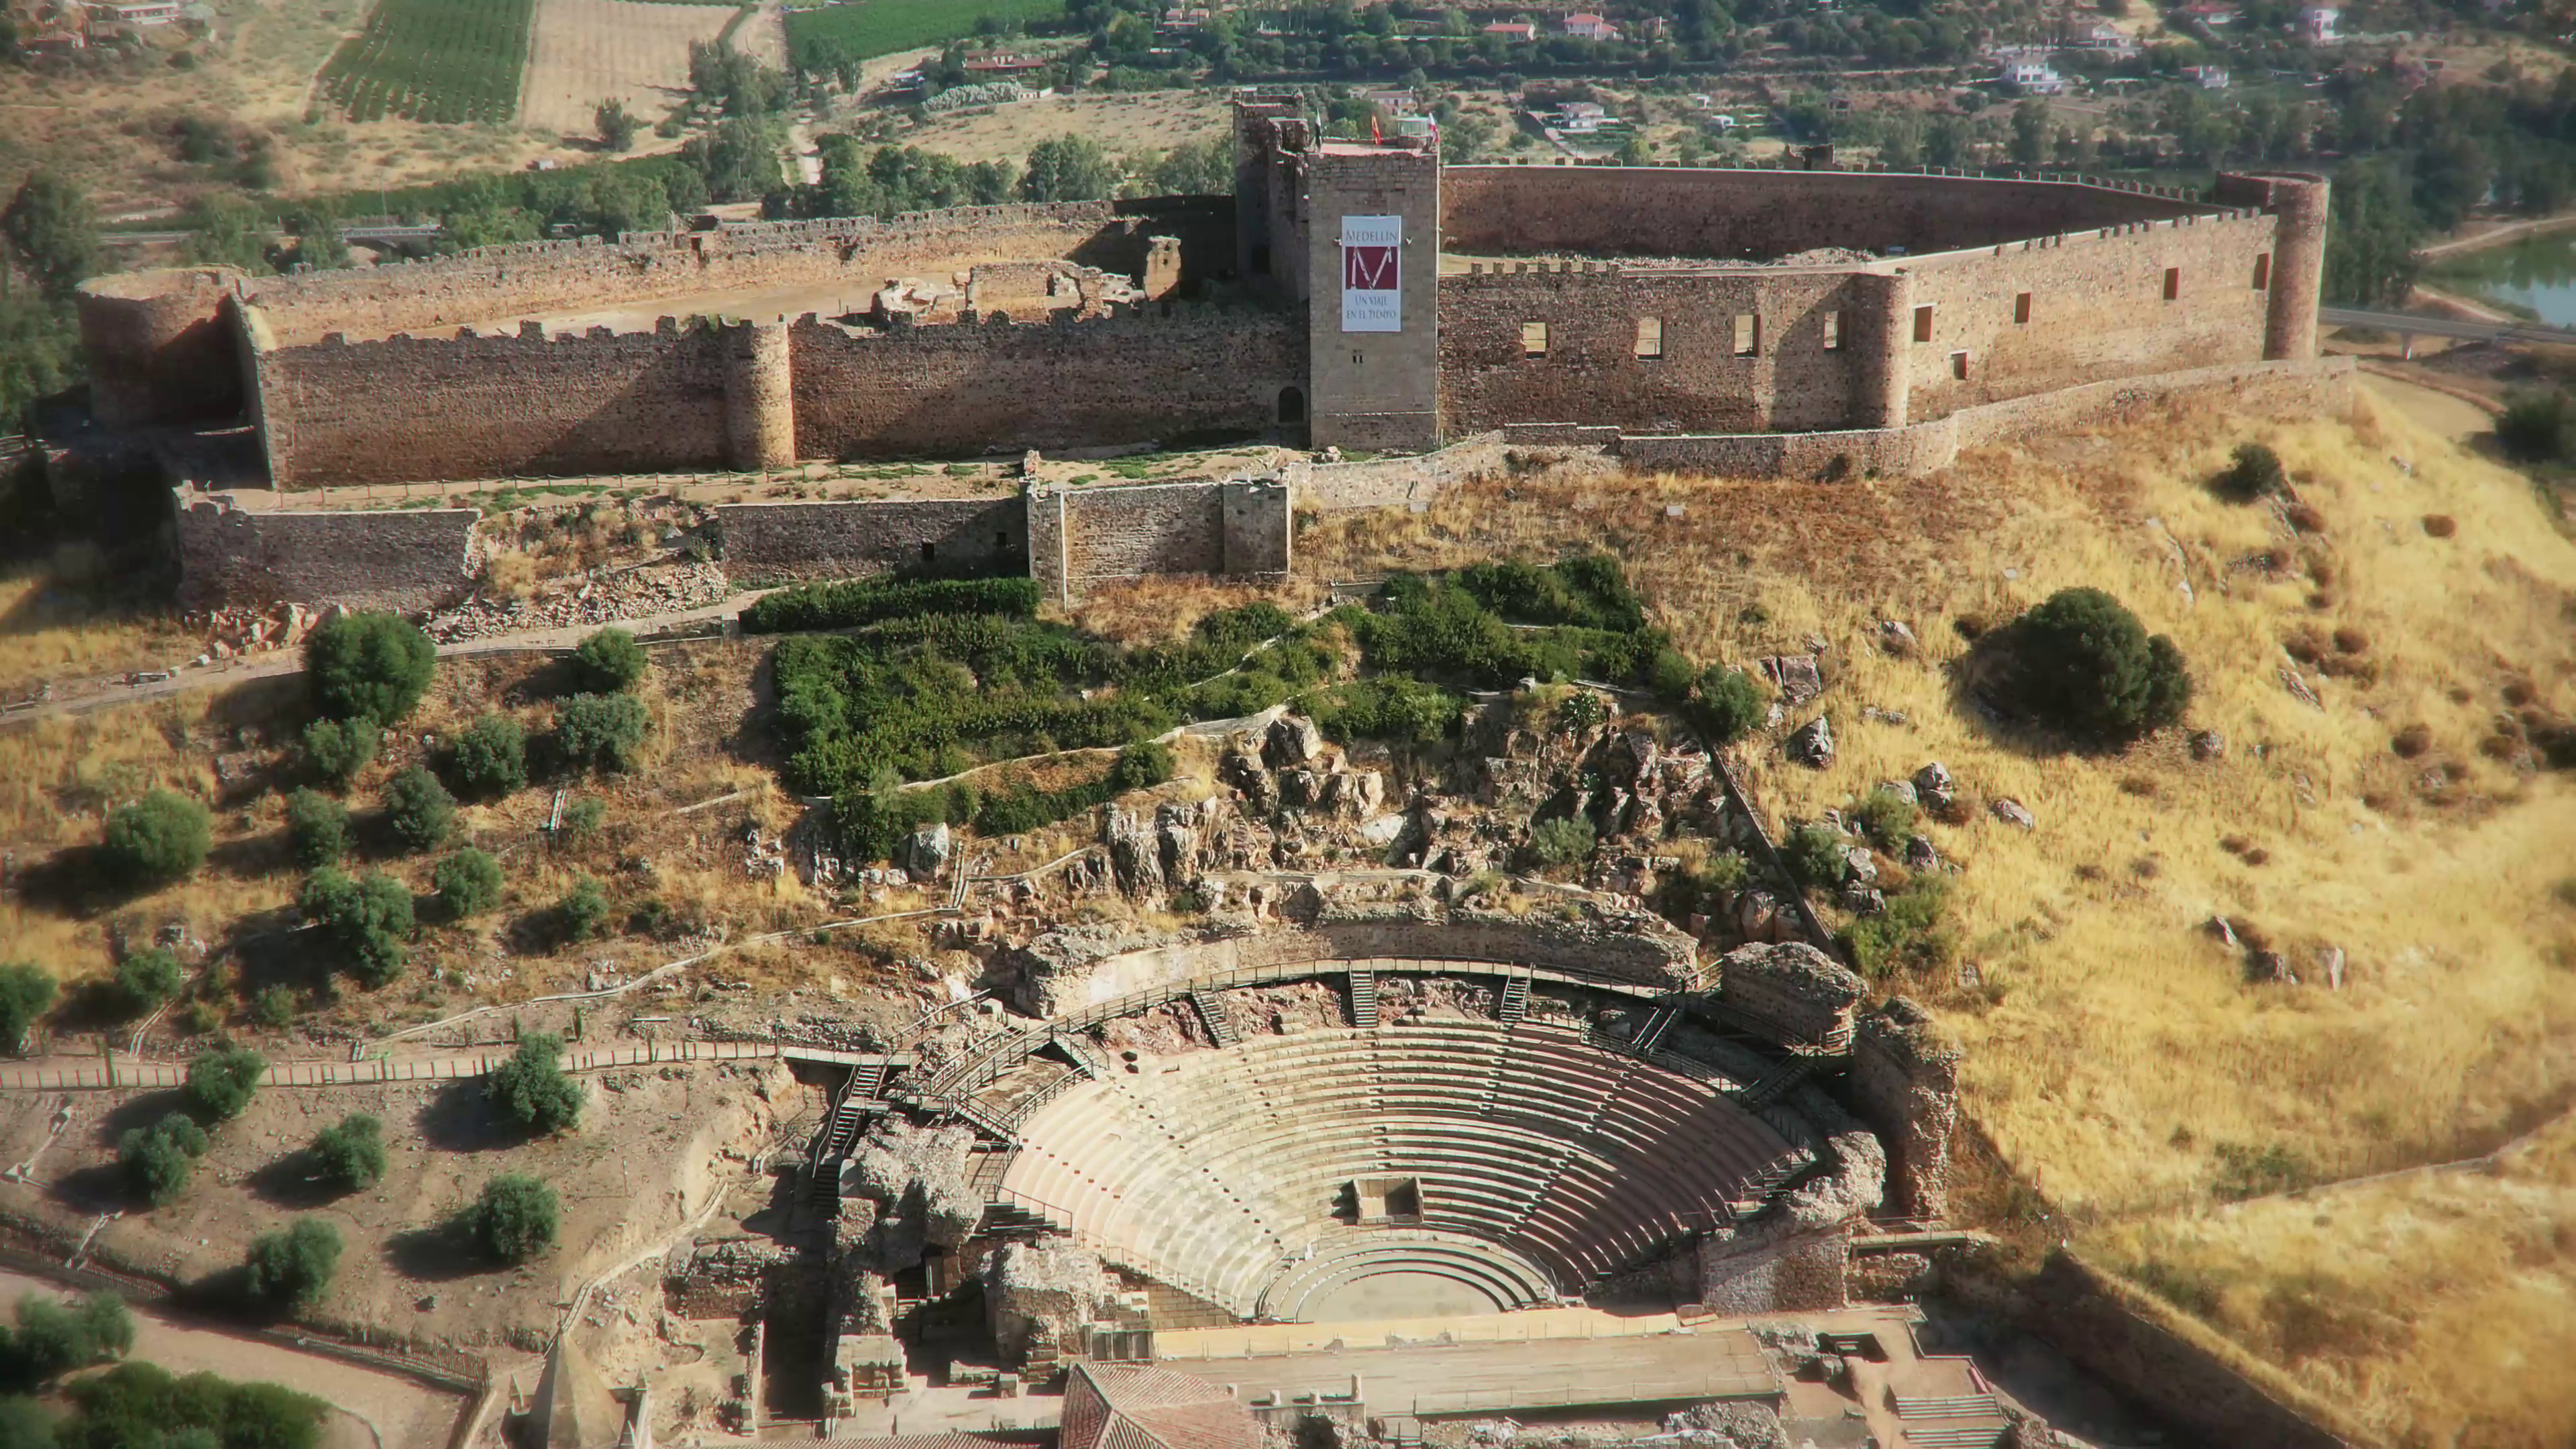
(1372, 274)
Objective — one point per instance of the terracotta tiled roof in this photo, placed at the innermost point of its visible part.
(1130, 1406)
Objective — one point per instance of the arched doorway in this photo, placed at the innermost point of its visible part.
(1292, 405)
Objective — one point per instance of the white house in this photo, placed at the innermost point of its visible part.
(2317, 24)
(2033, 77)
(138, 13)
(1584, 25)
(2207, 77)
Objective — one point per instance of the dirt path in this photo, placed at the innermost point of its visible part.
(2498, 236)
(84, 696)
(382, 1409)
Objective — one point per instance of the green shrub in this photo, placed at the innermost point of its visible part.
(317, 827)
(514, 1219)
(350, 1153)
(418, 809)
(53, 1339)
(157, 1159)
(490, 757)
(1815, 855)
(608, 662)
(866, 601)
(1587, 591)
(370, 918)
(1387, 707)
(1724, 872)
(292, 1269)
(1141, 766)
(273, 1007)
(2254, 472)
(221, 1082)
(875, 824)
(147, 978)
(468, 883)
(1912, 934)
(1580, 712)
(1671, 674)
(368, 667)
(600, 731)
(27, 992)
(1564, 840)
(1887, 817)
(532, 1089)
(2245, 1172)
(2083, 663)
(582, 820)
(337, 750)
(581, 912)
(158, 839)
(2535, 427)
(1727, 704)
(144, 1406)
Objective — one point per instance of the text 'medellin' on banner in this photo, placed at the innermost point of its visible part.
(1372, 274)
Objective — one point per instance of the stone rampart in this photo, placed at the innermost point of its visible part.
(554, 278)
(1079, 538)
(408, 560)
(1149, 373)
(777, 543)
(1905, 1085)
(1751, 213)
(411, 409)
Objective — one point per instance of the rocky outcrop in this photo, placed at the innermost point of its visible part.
(1795, 993)
(1905, 1084)
(1812, 744)
(1044, 1293)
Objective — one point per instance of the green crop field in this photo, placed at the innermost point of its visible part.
(433, 60)
(827, 36)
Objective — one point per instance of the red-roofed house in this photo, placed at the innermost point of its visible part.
(1135, 1406)
(1588, 26)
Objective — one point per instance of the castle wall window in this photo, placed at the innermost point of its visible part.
(1533, 339)
(1959, 366)
(1650, 338)
(2021, 310)
(2173, 284)
(1833, 331)
(2262, 271)
(1748, 334)
(1923, 323)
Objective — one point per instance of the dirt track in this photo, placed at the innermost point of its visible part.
(376, 1408)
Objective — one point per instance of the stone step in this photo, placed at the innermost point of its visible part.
(1363, 998)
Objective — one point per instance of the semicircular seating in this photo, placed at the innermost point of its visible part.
(1218, 1169)
(1495, 1274)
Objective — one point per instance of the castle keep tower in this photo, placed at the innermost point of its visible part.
(1372, 268)
(2298, 203)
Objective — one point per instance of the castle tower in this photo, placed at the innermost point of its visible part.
(159, 348)
(1373, 294)
(2299, 204)
(759, 396)
(1882, 327)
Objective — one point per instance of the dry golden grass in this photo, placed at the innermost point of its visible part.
(59, 621)
(2117, 1055)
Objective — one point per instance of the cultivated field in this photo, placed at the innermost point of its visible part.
(632, 51)
(433, 60)
(823, 37)
(2128, 1073)
(1129, 124)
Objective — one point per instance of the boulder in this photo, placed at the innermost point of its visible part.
(1864, 900)
(1934, 787)
(1293, 740)
(1860, 866)
(1920, 854)
(1901, 789)
(930, 847)
(2013, 812)
(1797, 676)
(2330, 966)
(2208, 745)
(1813, 744)
(1135, 853)
(1896, 638)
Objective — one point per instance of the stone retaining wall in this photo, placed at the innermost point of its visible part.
(778, 543)
(408, 560)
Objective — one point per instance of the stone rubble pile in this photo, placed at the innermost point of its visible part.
(243, 629)
(601, 598)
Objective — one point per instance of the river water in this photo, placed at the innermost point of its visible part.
(2536, 272)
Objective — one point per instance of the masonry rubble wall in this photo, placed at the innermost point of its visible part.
(1803, 996)
(792, 542)
(1074, 968)
(860, 254)
(407, 560)
(1082, 537)
(1000, 382)
(1905, 1083)
(1733, 212)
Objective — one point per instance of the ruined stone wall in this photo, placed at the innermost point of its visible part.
(1079, 538)
(553, 278)
(406, 560)
(993, 384)
(419, 408)
(775, 543)
(1799, 1274)
(1905, 1085)
(2097, 309)
(1664, 211)
(1696, 380)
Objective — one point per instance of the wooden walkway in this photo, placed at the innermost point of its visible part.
(109, 1073)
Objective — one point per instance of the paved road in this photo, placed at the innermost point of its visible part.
(2422, 326)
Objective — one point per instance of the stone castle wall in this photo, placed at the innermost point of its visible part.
(404, 560)
(780, 543)
(1150, 373)
(1079, 538)
(1667, 211)
(554, 278)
